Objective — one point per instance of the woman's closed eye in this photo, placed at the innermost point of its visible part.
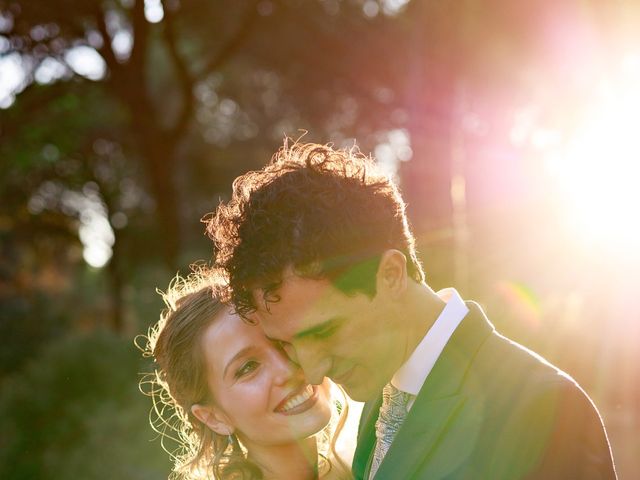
(247, 367)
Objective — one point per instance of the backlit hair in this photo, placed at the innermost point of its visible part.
(325, 212)
(179, 381)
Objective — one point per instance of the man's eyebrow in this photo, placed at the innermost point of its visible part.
(317, 328)
(242, 352)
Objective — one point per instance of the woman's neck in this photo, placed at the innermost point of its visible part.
(296, 460)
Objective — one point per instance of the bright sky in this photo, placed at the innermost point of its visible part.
(11, 77)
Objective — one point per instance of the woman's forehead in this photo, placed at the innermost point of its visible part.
(225, 337)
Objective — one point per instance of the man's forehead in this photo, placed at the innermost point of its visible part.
(294, 293)
(295, 300)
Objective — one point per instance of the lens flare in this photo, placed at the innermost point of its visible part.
(598, 170)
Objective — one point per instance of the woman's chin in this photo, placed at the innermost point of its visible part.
(315, 419)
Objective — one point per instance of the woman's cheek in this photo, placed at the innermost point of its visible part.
(255, 394)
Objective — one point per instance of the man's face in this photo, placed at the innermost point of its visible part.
(351, 339)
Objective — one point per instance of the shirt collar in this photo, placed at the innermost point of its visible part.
(412, 374)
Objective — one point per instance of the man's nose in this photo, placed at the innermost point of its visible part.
(315, 364)
(285, 370)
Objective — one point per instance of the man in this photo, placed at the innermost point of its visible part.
(317, 249)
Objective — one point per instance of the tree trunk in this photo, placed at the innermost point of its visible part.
(430, 103)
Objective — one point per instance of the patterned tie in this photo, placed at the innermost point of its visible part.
(392, 413)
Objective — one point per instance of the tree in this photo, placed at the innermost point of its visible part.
(187, 95)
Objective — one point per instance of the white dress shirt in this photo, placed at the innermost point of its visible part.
(412, 374)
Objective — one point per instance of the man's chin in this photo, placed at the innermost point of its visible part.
(361, 393)
(360, 385)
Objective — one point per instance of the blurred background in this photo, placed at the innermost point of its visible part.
(512, 127)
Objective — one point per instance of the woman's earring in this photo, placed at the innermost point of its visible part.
(233, 441)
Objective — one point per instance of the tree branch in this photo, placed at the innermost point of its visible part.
(185, 79)
(131, 84)
(106, 50)
(234, 42)
(140, 29)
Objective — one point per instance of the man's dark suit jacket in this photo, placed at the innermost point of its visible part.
(491, 409)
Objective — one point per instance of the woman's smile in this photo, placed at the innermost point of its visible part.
(298, 401)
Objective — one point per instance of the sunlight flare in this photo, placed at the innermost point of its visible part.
(598, 170)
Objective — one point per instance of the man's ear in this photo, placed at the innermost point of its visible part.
(391, 278)
(214, 418)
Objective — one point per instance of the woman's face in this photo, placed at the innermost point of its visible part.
(256, 389)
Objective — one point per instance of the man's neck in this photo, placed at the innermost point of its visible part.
(297, 460)
(422, 308)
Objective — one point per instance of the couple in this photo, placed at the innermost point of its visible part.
(321, 275)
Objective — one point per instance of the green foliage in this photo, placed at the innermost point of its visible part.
(68, 116)
(75, 412)
(26, 323)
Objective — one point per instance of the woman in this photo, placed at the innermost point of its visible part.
(240, 408)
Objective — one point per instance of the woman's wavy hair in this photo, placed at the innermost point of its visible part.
(179, 381)
(328, 213)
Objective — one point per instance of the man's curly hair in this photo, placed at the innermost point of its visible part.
(325, 212)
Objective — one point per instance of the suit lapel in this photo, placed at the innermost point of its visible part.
(366, 438)
(414, 444)
(439, 408)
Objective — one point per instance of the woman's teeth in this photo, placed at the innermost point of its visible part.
(298, 399)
